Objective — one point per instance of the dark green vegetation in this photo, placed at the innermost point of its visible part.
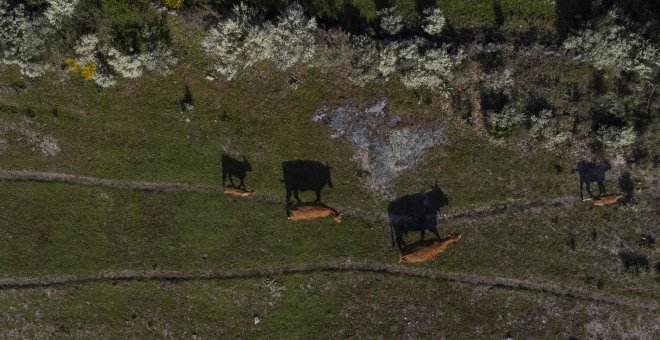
(137, 131)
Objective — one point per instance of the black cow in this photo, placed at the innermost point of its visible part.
(591, 172)
(234, 168)
(303, 175)
(417, 212)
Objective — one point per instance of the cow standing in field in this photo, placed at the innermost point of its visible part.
(591, 172)
(416, 212)
(235, 168)
(304, 175)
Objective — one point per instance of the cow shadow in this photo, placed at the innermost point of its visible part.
(305, 175)
(234, 168)
(416, 212)
(592, 172)
(626, 184)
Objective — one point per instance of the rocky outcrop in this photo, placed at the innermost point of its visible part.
(383, 150)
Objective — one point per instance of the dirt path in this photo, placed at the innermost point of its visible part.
(366, 267)
(448, 215)
(455, 215)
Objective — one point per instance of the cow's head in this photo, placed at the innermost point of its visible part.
(454, 237)
(435, 198)
(604, 166)
(326, 175)
(337, 218)
(248, 167)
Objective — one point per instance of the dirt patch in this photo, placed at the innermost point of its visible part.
(20, 133)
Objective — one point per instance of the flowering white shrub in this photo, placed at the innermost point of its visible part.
(434, 21)
(100, 63)
(58, 9)
(242, 40)
(158, 58)
(128, 66)
(365, 61)
(616, 137)
(433, 68)
(499, 81)
(408, 60)
(389, 57)
(390, 22)
(501, 123)
(291, 40)
(23, 38)
(229, 41)
(104, 80)
(608, 45)
(86, 49)
(546, 126)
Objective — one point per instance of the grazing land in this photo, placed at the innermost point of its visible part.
(114, 223)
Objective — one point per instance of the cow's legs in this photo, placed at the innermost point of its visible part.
(400, 242)
(422, 234)
(581, 185)
(295, 194)
(588, 185)
(224, 177)
(288, 195)
(601, 188)
(231, 181)
(434, 230)
(241, 184)
(318, 196)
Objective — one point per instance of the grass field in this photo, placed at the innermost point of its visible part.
(309, 306)
(136, 131)
(47, 233)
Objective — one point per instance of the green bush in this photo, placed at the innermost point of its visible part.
(500, 124)
(124, 21)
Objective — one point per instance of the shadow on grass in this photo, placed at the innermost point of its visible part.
(571, 14)
(633, 261)
(234, 168)
(305, 175)
(416, 212)
(591, 172)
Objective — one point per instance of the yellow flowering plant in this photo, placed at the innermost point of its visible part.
(74, 65)
(173, 4)
(88, 71)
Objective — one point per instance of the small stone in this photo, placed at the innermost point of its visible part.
(394, 121)
(256, 320)
(210, 78)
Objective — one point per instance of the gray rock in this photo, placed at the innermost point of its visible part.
(383, 151)
(394, 121)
